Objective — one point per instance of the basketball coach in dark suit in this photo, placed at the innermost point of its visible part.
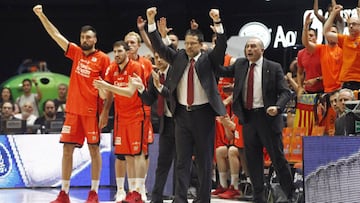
(260, 95)
(167, 147)
(194, 111)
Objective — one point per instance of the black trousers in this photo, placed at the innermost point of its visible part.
(167, 150)
(260, 131)
(194, 130)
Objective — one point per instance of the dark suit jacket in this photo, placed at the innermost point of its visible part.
(205, 67)
(274, 88)
(150, 95)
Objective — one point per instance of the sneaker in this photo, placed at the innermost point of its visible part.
(133, 197)
(92, 197)
(120, 195)
(62, 198)
(143, 196)
(230, 193)
(218, 191)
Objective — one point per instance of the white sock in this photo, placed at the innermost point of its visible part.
(95, 185)
(235, 181)
(140, 182)
(132, 184)
(223, 179)
(65, 186)
(120, 183)
(140, 187)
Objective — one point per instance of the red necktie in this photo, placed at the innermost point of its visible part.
(250, 88)
(190, 92)
(160, 107)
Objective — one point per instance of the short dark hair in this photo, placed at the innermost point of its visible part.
(86, 28)
(315, 30)
(195, 32)
(12, 104)
(46, 101)
(121, 43)
(27, 80)
(333, 92)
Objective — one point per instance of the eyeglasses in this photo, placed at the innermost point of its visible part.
(353, 24)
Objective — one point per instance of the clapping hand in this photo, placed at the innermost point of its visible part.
(156, 79)
(100, 84)
(136, 81)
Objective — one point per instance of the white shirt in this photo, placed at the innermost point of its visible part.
(200, 96)
(29, 121)
(258, 101)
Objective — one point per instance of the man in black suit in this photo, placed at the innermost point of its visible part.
(167, 125)
(261, 118)
(195, 112)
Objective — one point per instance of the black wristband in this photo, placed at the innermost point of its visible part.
(219, 22)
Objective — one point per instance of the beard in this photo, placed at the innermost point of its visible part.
(50, 114)
(86, 47)
(119, 60)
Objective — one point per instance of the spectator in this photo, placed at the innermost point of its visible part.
(338, 21)
(341, 121)
(6, 96)
(7, 111)
(60, 101)
(27, 96)
(27, 113)
(331, 56)
(334, 97)
(309, 68)
(344, 95)
(49, 113)
(350, 69)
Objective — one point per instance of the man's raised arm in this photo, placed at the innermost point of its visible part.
(50, 28)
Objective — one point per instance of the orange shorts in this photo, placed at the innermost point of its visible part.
(148, 128)
(77, 127)
(238, 138)
(220, 137)
(130, 139)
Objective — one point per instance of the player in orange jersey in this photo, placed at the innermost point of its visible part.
(130, 139)
(133, 39)
(82, 108)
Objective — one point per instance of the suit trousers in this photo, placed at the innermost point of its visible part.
(167, 150)
(194, 134)
(260, 131)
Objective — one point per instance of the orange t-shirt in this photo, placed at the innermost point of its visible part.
(83, 97)
(351, 60)
(331, 61)
(127, 110)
